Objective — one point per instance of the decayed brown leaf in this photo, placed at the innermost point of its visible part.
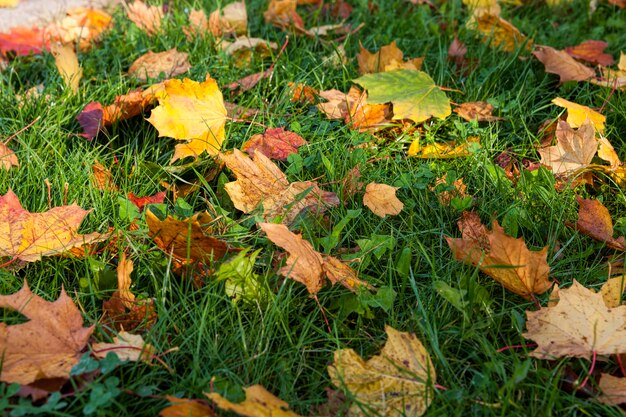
(574, 149)
(259, 402)
(48, 345)
(456, 52)
(594, 220)
(591, 51)
(183, 407)
(560, 63)
(388, 58)
(283, 14)
(147, 18)
(276, 143)
(124, 269)
(502, 257)
(101, 178)
(29, 236)
(499, 33)
(232, 19)
(382, 200)
(248, 82)
(260, 181)
(151, 65)
(398, 382)
(477, 110)
(613, 390)
(185, 240)
(67, 63)
(306, 265)
(578, 326)
(127, 347)
(8, 159)
(191, 111)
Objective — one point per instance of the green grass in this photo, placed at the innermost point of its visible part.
(284, 344)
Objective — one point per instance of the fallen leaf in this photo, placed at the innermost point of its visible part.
(574, 149)
(152, 65)
(28, 236)
(619, 3)
(67, 63)
(127, 347)
(502, 257)
(147, 18)
(459, 190)
(594, 220)
(382, 200)
(48, 345)
(388, 58)
(413, 94)
(499, 33)
(398, 382)
(560, 63)
(578, 326)
(82, 25)
(613, 390)
(198, 24)
(612, 291)
(248, 82)
(443, 150)
(275, 143)
(186, 240)
(23, 40)
(577, 114)
(243, 48)
(101, 178)
(307, 266)
(302, 93)
(8, 159)
(124, 269)
(337, 104)
(477, 110)
(456, 53)
(141, 202)
(191, 111)
(592, 52)
(283, 14)
(363, 116)
(261, 182)
(141, 315)
(232, 19)
(483, 7)
(183, 407)
(259, 402)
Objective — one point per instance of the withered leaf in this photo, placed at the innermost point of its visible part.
(613, 390)
(276, 143)
(574, 149)
(382, 200)
(259, 402)
(183, 407)
(388, 58)
(592, 52)
(594, 220)
(560, 63)
(147, 18)
(8, 159)
(127, 347)
(477, 110)
(151, 64)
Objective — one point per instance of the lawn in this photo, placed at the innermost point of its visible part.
(275, 332)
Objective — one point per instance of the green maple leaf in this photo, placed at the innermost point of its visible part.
(414, 94)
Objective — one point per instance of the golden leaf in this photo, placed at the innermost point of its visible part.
(499, 33)
(147, 18)
(382, 200)
(66, 62)
(259, 402)
(443, 150)
(577, 114)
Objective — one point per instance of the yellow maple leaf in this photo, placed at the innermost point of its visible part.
(192, 111)
(577, 113)
(259, 402)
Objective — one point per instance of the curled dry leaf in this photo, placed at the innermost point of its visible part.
(306, 265)
(192, 111)
(338, 103)
(398, 382)
(382, 200)
(560, 63)
(302, 93)
(66, 62)
(499, 33)
(276, 143)
(183, 407)
(591, 51)
(259, 402)
(127, 347)
(260, 181)
(147, 18)
(477, 110)
(101, 178)
(594, 220)
(28, 236)
(613, 390)
(151, 65)
(124, 269)
(8, 159)
(574, 149)
(443, 150)
(578, 326)
(502, 257)
(45, 347)
(388, 58)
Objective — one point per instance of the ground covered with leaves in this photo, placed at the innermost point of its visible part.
(298, 208)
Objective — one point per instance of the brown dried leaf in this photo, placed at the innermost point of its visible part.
(613, 390)
(183, 407)
(275, 143)
(231, 19)
(499, 33)
(502, 257)
(283, 14)
(127, 347)
(8, 159)
(574, 149)
(81, 25)
(479, 110)
(147, 18)
(260, 181)
(382, 200)
(592, 52)
(124, 269)
(578, 326)
(151, 64)
(594, 220)
(243, 48)
(48, 345)
(560, 63)
(101, 178)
